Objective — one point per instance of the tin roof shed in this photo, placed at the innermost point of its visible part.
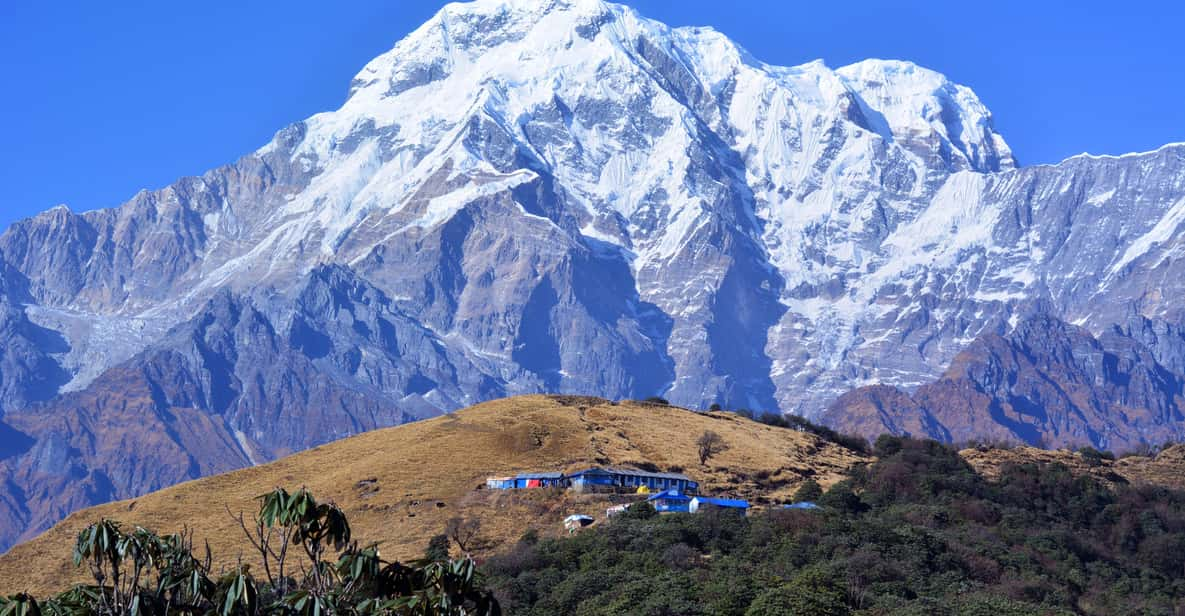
(729, 503)
(556, 475)
(669, 495)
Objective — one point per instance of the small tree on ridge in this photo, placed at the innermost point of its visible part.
(709, 444)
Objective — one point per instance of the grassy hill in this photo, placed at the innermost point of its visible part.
(400, 485)
(1166, 468)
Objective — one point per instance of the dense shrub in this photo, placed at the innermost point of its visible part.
(848, 441)
(812, 591)
(916, 532)
(1094, 457)
(802, 424)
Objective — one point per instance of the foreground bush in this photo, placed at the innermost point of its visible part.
(138, 572)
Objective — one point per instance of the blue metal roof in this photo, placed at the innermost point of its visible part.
(638, 473)
(539, 476)
(723, 502)
(591, 471)
(596, 470)
(805, 505)
(670, 495)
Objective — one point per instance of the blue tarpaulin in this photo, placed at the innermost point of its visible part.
(539, 480)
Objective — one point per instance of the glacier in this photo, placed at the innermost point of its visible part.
(566, 196)
(821, 200)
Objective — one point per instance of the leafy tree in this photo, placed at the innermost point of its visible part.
(778, 420)
(840, 497)
(802, 424)
(437, 548)
(810, 592)
(1094, 457)
(809, 492)
(529, 537)
(887, 445)
(990, 605)
(641, 511)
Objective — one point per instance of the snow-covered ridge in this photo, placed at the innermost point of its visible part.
(642, 82)
(1167, 146)
(541, 45)
(564, 196)
(838, 225)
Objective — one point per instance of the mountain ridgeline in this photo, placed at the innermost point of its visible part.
(1045, 383)
(605, 205)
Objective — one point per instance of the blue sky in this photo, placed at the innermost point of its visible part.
(103, 99)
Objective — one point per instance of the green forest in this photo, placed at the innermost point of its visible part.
(916, 532)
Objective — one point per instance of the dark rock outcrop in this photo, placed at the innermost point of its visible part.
(1046, 383)
(225, 390)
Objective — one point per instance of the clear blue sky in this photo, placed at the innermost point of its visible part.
(101, 99)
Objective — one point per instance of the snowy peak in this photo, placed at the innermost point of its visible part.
(460, 34)
(534, 50)
(909, 101)
(530, 196)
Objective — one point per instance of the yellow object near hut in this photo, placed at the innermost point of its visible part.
(643, 490)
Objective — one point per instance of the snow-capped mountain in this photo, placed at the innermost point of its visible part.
(562, 195)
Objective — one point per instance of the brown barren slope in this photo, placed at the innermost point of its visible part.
(418, 475)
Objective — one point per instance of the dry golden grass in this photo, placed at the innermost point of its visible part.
(1165, 469)
(419, 475)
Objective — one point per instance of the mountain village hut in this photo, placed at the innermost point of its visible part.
(539, 480)
(703, 503)
(670, 501)
(598, 479)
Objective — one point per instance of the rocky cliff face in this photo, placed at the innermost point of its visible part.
(227, 389)
(562, 195)
(1045, 383)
